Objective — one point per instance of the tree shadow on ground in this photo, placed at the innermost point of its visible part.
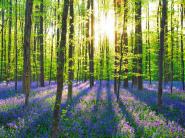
(18, 111)
(172, 111)
(42, 125)
(103, 117)
(139, 131)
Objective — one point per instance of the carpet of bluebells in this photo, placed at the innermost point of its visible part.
(93, 112)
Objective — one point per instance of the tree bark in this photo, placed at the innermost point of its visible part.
(9, 42)
(125, 43)
(172, 45)
(138, 42)
(60, 71)
(182, 45)
(161, 51)
(91, 52)
(116, 51)
(41, 45)
(16, 49)
(2, 40)
(71, 49)
(27, 36)
(87, 39)
(148, 43)
(51, 62)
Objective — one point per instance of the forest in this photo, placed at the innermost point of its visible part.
(92, 68)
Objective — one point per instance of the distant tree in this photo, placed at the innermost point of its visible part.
(166, 61)
(9, 41)
(91, 50)
(71, 50)
(87, 36)
(41, 44)
(2, 38)
(16, 49)
(182, 44)
(172, 45)
(116, 62)
(51, 60)
(125, 43)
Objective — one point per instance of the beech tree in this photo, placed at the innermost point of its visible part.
(27, 64)
(71, 49)
(60, 71)
(161, 50)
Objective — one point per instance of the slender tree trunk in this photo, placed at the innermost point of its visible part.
(166, 51)
(41, 45)
(146, 51)
(5, 49)
(51, 63)
(161, 51)
(182, 44)
(27, 64)
(71, 50)
(101, 61)
(58, 29)
(125, 43)
(148, 43)
(172, 44)
(107, 58)
(16, 49)
(138, 41)
(9, 42)
(123, 51)
(116, 51)
(91, 54)
(87, 39)
(2, 40)
(134, 81)
(35, 53)
(60, 71)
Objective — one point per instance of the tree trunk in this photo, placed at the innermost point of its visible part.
(125, 43)
(41, 45)
(148, 43)
(60, 71)
(35, 53)
(161, 51)
(15, 44)
(172, 44)
(107, 58)
(133, 50)
(123, 51)
(138, 42)
(2, 41)
(91, 53)
(51, 63)
(71, 49)
(116, 51)
(166, 51)
(182, 44)
(87, 39)
(27, 64)
(9, 42)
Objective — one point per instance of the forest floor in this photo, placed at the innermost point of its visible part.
(93, 112)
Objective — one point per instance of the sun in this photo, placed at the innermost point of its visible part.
(104, 24)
